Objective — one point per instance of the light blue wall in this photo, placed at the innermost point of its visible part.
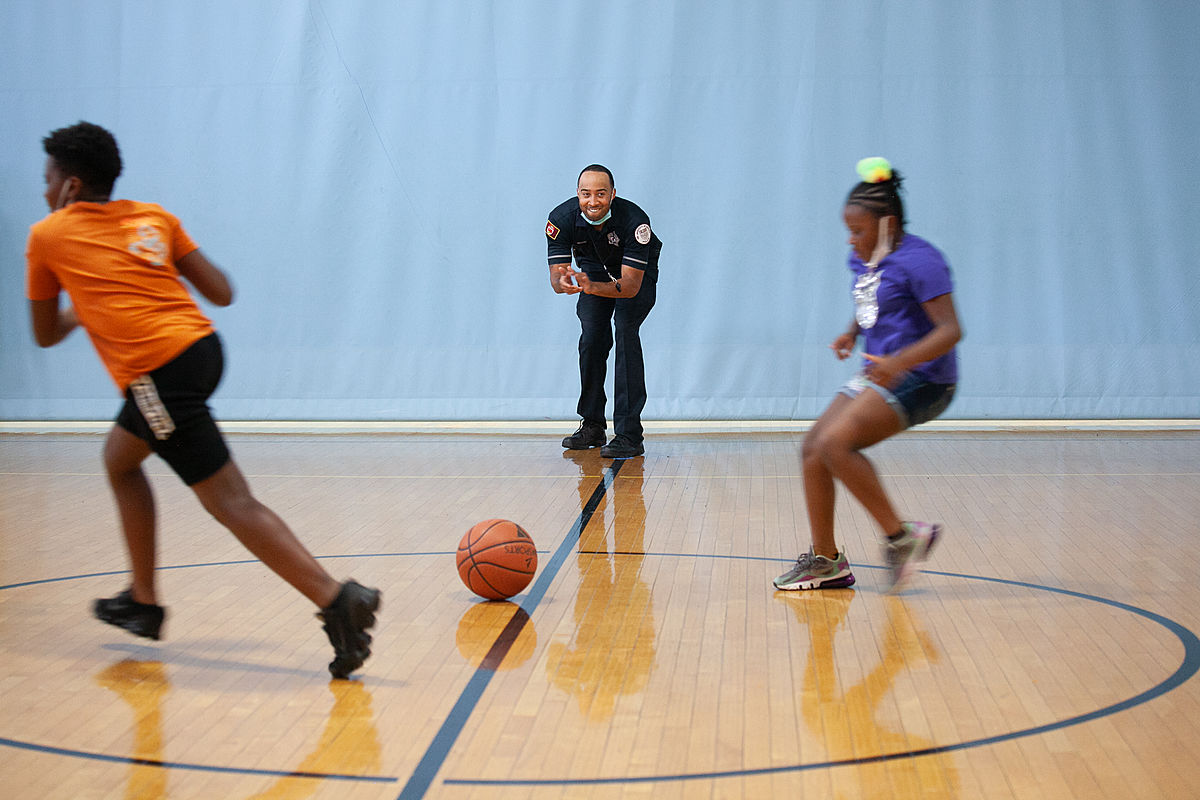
(376, 176)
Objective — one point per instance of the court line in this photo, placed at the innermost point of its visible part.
(458, 716)
(226, 564)
(1186, 670)
(491, 660)
(435, 755)
(722, 476)
(154, 762)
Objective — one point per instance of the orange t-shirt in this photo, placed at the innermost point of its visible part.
(116, 261)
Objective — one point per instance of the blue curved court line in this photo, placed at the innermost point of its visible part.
(453, 725)
(1187, 669)
(243, 561)
(435, 755)
(181, 765)
(152, 762)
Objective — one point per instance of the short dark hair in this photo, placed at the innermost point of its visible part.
(597, 168)
(881, 198)
(87, 152)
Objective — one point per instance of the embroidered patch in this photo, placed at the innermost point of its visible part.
(613, 239)
(642, 234)
(551, 231)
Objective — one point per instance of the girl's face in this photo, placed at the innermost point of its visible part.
(864, 230)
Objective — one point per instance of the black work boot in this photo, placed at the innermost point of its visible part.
(622, 446)
(588, 436)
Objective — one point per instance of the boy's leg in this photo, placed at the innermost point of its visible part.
(226, 496)
(347, 609)
(174, 397)
(123, 457)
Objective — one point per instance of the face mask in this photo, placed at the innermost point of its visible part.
(62, 195)
(600, 221)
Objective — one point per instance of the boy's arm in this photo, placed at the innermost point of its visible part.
(50, 323)
(208, 279)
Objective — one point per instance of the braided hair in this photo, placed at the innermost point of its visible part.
(879, 191)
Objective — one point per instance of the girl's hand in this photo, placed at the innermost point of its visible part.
(843, 346)
(884, 370)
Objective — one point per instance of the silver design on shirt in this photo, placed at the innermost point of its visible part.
(866, 304)
(866, 287)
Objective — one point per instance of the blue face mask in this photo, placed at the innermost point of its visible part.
(600, 221)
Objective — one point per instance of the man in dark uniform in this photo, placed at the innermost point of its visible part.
(616, 253)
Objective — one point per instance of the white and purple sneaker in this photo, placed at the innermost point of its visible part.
(903, 554)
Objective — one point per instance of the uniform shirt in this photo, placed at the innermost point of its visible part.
(624, 239)
(913, 273)
(116, 261)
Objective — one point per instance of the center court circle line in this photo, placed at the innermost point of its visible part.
(1186, 670)
(1189, 666)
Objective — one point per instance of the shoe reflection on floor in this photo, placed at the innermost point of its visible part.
(612, 650)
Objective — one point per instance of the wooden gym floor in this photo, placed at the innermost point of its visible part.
(1048, 650)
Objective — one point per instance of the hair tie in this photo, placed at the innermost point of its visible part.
(875, 169)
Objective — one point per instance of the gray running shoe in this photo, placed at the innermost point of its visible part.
(812, 571)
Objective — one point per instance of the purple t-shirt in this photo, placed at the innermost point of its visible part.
(913, 273)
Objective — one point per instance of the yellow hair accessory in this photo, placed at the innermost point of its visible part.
(874, 169)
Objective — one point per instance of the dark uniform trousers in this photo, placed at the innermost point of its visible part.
(599, 317)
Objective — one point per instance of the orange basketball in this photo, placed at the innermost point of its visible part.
(496, 559)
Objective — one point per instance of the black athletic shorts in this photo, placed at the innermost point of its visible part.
(168, 409)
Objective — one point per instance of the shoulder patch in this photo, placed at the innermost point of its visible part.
(551, 231)
(642, 234)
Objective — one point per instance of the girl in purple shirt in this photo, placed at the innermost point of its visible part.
(904, 312)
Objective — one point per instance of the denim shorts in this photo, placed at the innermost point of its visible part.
(915, 400)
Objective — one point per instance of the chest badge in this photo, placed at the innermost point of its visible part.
(613, 239)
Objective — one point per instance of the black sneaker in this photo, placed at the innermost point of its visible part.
(588, 436)
(622, 446)
(346, 621)
(140, 619)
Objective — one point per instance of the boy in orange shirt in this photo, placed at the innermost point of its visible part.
(120, 262)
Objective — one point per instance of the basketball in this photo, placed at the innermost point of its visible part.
(496, 559)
